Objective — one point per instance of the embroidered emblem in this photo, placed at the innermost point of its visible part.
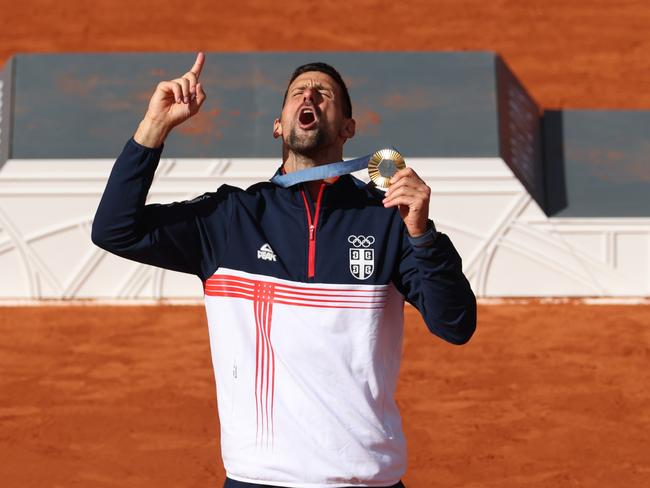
(266, 253)
(362, 256)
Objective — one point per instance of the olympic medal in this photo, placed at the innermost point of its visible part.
(383, 165)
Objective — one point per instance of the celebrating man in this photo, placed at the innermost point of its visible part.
(304, 288)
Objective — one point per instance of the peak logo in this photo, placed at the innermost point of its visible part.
(265, 253)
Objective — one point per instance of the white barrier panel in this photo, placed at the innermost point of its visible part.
(509, 247)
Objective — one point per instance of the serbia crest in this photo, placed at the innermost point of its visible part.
(362, 256)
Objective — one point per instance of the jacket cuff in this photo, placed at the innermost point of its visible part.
(146, 148)
(427, 239)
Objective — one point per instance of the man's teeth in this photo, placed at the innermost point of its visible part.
(307, 116)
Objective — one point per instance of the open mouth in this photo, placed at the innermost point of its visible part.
(307, 118)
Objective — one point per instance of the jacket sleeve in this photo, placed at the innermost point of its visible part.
(185, 236)
(430, 276)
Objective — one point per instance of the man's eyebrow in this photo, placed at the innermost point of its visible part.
(316, 85)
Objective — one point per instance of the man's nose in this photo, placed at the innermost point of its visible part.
(310, 94)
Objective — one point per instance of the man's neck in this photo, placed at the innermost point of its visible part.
(296, 162)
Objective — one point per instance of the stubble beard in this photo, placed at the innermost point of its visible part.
(306, 143)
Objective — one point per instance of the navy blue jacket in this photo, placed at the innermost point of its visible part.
(310, 240)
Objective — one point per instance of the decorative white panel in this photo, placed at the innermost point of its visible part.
(509, 247)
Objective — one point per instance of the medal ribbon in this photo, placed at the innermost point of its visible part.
(322, 172)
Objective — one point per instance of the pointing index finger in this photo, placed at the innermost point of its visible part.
(198, 64)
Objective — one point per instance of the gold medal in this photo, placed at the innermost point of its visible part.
(383, 165)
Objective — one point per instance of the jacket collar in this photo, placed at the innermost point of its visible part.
(344, 189)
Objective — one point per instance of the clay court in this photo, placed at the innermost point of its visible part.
(546, 394)
(542, 396)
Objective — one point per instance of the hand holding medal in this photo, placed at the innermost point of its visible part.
(411, 194)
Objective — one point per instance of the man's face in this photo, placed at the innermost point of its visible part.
(312, 117)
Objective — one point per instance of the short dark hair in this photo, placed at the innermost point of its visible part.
(332, 73)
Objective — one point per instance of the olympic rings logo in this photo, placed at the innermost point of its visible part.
(361, 241)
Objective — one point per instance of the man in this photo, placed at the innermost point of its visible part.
(304, 288)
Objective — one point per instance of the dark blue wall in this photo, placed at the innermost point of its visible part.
(85, 106)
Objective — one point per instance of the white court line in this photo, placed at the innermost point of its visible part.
(101, 303)
(564, 300)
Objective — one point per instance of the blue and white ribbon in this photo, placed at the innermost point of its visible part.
(322, 172)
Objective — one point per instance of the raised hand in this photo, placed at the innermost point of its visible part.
(172, 103)
(411, 194)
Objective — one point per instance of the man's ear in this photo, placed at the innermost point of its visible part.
(348, 128)
(277, 128)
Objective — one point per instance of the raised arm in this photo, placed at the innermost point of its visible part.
(172, 103)
(185, 236)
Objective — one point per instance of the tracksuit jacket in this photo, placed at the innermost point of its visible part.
(304, 301)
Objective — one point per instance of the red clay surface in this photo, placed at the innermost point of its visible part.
(542, 396)
(577, 54)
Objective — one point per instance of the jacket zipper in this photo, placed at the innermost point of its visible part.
(312, 225)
